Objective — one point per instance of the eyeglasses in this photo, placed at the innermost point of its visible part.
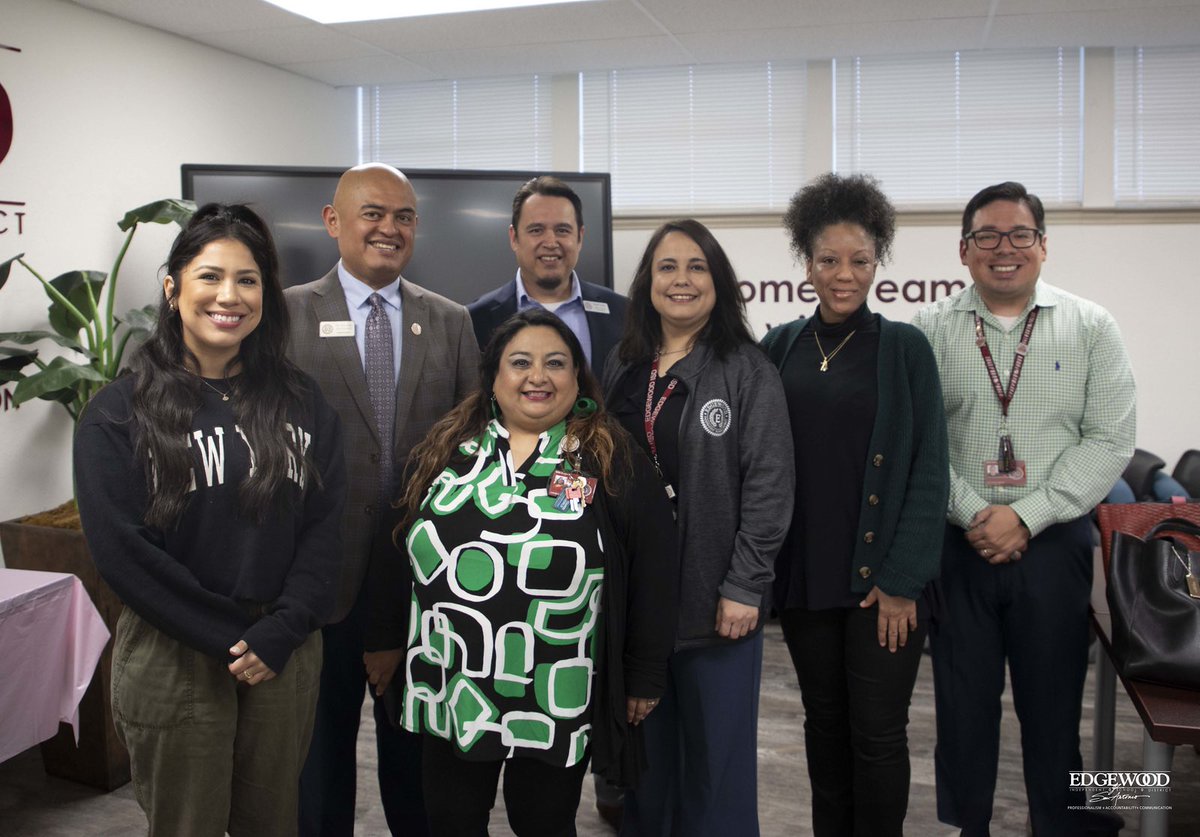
(1022, 238)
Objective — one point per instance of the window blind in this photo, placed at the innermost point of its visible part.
(718, 138)
(1157, 126)
(487, 123)
(936, 128)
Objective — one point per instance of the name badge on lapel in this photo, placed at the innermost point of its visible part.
(594, 307)
(336, 328)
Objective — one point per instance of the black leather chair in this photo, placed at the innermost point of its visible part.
(1187, 472)
(1140, 473)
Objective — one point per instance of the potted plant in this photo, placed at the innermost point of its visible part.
(82, 320)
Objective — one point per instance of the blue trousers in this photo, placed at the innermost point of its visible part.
(702, 745)
(328, 781)
(1034, 613)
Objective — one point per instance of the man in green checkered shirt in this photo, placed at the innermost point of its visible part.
(1040, 408)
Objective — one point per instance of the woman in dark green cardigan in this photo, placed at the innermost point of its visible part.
(872, 480)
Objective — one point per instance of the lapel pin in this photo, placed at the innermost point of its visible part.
(416, 329)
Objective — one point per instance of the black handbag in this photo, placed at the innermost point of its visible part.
(1154, 598)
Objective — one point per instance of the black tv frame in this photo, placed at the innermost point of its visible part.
(189, 171)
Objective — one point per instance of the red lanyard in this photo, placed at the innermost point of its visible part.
(1005, 397)
(651, 415)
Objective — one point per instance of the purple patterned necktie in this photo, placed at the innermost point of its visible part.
(381, 384)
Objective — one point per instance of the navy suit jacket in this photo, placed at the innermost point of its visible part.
(494, 307)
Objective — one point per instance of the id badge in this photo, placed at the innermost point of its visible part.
(572, 486)
(993, 476)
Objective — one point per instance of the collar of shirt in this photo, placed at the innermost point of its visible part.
(525, 301)
(1044, 296)
(357, 293)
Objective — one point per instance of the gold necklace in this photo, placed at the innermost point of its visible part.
(825, 358)
(661, 352)
(224, 395)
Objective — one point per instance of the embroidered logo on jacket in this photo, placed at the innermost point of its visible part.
(715, 417)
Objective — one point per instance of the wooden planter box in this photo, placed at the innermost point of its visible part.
(100, 760)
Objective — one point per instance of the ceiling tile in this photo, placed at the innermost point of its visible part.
(291, 44)
(195, 17)
(539, 25)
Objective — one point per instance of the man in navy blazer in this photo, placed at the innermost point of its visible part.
(546, 236)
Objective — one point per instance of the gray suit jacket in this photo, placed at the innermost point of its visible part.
(438, 368)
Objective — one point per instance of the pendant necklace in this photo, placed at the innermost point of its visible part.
(224, 395)
(825, 358)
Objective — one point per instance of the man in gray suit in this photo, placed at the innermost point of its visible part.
(391, 358)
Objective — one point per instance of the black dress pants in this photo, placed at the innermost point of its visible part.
(328, 781)
(1034, 613)
(541, 799)
(856, 696)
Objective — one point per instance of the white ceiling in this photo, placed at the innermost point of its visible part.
(605, 34)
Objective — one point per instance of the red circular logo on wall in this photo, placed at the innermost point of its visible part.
(6, 123)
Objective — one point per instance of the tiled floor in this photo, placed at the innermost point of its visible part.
(33, 804)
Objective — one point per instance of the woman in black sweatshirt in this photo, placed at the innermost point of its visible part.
(210, 481)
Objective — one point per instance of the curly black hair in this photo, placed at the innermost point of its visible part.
(835, 199)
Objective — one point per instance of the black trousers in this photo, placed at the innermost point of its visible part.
(1034, 613)
(856, 696)
(540, 798)
(328, 781)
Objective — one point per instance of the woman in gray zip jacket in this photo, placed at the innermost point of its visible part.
(702, 399)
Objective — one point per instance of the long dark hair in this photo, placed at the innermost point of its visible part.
(726, 328)
(601, 438)
(269, 392)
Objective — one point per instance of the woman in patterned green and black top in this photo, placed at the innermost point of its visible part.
(544, 590)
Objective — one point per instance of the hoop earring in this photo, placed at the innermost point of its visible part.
(584, 407)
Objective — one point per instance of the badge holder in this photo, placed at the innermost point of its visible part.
(571, 488)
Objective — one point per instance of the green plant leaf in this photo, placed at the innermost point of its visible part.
(160, 212)
(73, 286)
(24, 338)
(12, 360)
(141, 319)
(59, 374)
(6, 267)
(13, 351)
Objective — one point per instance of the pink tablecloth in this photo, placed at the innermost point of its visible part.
(51, 638)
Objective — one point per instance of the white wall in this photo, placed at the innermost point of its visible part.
(1141, 271)
(104, 114)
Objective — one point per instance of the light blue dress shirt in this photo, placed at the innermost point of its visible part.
(357, 293)
(570, 312)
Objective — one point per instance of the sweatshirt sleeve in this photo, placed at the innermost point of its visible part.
(310, 587)
(768, 476)
(111, 491)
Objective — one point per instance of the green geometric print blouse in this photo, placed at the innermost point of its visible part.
(506, 597)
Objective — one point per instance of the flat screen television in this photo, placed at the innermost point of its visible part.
(462, 248)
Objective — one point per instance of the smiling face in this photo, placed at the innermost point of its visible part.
(681, 286)
(219, 298)
(1005, 277)
(374, 219)
(841, 269)
(536, 384)
(546, 241)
